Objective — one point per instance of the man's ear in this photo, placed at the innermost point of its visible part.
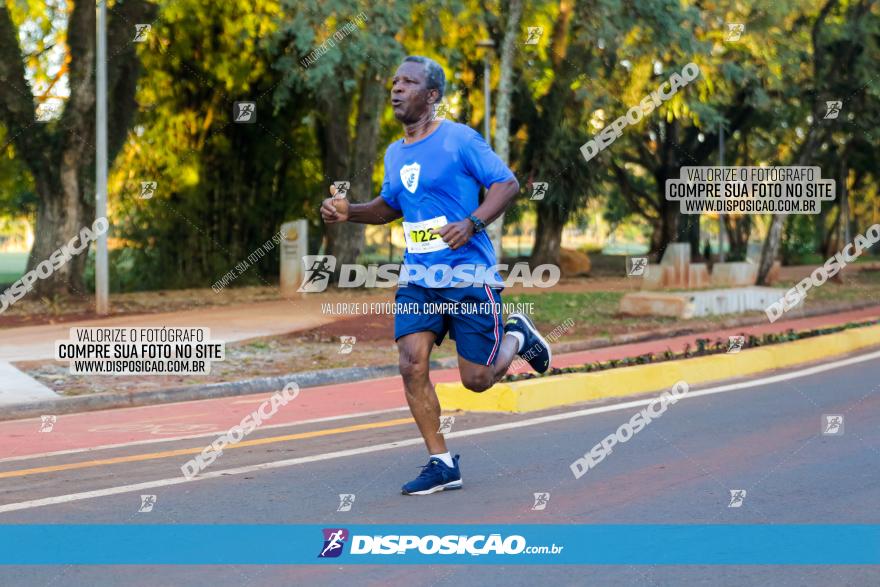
(433, 96)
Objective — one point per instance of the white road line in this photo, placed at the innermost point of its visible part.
(35, 503)
(199, 435)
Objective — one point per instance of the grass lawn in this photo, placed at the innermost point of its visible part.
(862, 287)
(594, 313)
(12, 266)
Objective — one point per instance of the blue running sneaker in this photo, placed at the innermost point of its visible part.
(435, 476)
(535, 350)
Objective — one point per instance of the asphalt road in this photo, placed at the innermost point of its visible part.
(765, 438)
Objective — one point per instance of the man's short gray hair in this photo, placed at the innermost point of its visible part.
(435, 78)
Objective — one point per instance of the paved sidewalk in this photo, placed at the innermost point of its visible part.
(17, 387)
(227, 323)
(213, 416)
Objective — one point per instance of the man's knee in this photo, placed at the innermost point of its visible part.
(413, 368)
(478, 382)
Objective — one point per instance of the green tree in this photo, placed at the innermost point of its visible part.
(59, 154)
(223, 187)
(341, 57)
(839, 65)
(598, 63)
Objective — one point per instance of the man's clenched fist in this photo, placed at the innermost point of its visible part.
(334, 209)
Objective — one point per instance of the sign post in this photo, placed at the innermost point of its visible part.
(294, 246)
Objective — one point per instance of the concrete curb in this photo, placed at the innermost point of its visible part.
(107, 401)
(571, 388)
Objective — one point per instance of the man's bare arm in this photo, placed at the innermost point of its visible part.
(497, 199)
(376, 211)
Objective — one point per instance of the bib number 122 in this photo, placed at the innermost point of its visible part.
(423, 236)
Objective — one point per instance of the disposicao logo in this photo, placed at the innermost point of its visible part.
(432, 544)
(334, 540)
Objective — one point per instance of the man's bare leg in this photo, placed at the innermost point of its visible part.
(415, 353)
(478, 377)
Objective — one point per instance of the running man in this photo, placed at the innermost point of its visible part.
(432, 179)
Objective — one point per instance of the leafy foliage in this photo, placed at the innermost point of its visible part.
(224, 188)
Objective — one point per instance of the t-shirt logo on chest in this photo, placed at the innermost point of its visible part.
(409, 175)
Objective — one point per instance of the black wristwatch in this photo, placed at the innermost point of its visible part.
(479, 225)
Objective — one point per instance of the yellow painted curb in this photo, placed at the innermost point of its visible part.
(571, 388)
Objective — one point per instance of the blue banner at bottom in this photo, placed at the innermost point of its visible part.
(183, 544)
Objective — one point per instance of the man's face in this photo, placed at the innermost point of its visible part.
(410, 98)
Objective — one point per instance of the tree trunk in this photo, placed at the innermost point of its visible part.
(771, 246)
(77, 210)
(352, 159)
(548, 235)
(774, 235)
(335, 147)
(60, 217)
(670, 214)
(829, 244)
(546, 132)
(655, 245)
(819, 221)
(738, 231)
(666, 231)
(689, 232)
(61, 155)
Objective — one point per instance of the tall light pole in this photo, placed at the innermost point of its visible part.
(102, 304)
(488, 45)
(494, 229)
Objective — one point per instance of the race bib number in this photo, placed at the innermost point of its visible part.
(420, 238)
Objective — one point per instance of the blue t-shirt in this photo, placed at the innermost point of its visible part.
(436, 181)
